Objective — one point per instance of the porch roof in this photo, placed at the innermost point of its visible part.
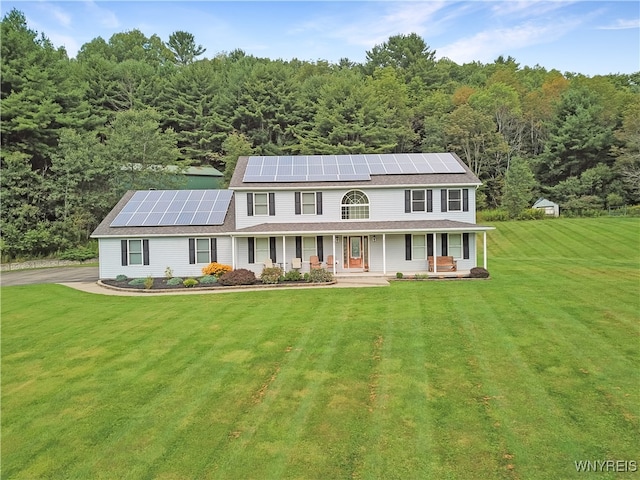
(365, 227)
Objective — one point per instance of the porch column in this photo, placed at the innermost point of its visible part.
(384, 253)
(284, 254)
(484, 249)
(435, 254)
(233, 252)
(333, 246)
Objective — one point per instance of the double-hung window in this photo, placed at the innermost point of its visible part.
(134, 252)
(260, 204)
(455, 200)
(419, 247)
(308, 246)
(202, 250)
(418, 201)
(308, 203)
(262, 249)
(455, 245)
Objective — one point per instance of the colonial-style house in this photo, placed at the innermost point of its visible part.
(379, 214)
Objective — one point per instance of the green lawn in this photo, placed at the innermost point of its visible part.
(515, 377)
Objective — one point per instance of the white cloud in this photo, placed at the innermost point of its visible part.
(70, 44)
(104, 16)
(622, 24)
(487, 45)
(528, 9)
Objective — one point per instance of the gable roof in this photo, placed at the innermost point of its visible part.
(446, 168)
(543, 202)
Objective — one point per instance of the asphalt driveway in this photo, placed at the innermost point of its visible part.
(49, 275)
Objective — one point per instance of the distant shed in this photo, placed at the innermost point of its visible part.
(550, 208)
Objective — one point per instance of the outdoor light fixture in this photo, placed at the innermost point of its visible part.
(374, 238)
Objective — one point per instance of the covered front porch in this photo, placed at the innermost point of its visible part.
(368, 250)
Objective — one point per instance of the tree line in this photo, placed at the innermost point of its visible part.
(78, 132)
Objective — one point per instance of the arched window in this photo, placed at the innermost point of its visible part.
(355, 205)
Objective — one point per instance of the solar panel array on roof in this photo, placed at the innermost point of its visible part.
(162, 208)
(341, 168)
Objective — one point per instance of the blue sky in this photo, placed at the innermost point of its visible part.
(589, 37)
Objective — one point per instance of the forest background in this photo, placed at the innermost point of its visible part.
(76, 133)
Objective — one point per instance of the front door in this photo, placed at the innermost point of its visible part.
(355, 252)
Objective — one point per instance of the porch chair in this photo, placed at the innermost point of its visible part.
(268, 263)
(296, 263)
(314, 262)
(330, 263)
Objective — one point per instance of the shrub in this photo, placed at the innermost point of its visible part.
(190, 282)
(216, 269)
(479, 272)
(532, 214)
(493, 216)
(306, 277)
(421, 276)
(320, 275)
(80, 254)
(208, 279)
(121, 278)
(634, 211)
(293, 276)
(399, 275)
(173, 281)
(137, 282)
(148, 282)
(168, 272)
(271, 275)
(242, 276)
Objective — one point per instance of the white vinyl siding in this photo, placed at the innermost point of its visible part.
(164, 252)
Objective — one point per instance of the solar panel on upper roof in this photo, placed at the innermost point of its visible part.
(335, 168)
(163, 208)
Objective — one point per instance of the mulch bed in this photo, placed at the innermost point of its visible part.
(161, 284)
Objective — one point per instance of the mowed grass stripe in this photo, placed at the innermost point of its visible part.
(470, 379)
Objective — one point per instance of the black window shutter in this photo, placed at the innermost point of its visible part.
(272, 204)
(145, 252)
(407, 246)
(443, 200)
(297, 202)
(465, 246)
(429, 245)
(251, 249)
(429, 200)
(192, 251)
(298, 247)
(320, 248)
(272, 248)
(445, 245)
(250, 204)
(465, 199)
(123, 253)
(407, 201)
(318, 203)
(214, 249)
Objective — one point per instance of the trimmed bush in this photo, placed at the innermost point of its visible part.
(173, 281)
(320, 275)
(121, 278)
(479, 272)
(216, 269)
(137, 282)
(242, 276)
(399, 275)
(208, 280)
(271, 275)
(190, 282)
(293, 276)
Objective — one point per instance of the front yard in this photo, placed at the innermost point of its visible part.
(519, 376)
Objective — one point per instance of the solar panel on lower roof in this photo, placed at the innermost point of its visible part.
(164, 208)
